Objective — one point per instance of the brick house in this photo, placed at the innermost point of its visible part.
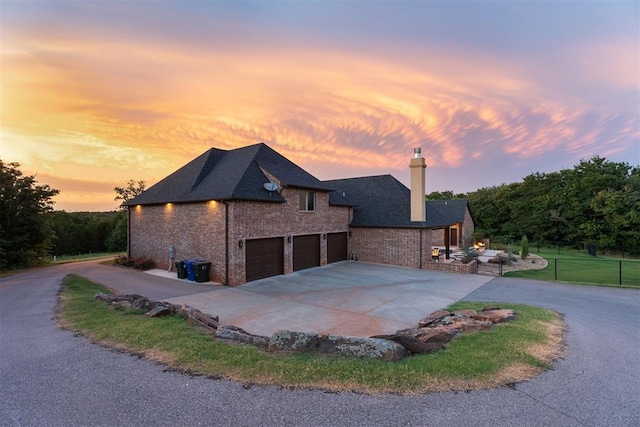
(253, 214)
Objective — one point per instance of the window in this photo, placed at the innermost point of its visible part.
(307, 201)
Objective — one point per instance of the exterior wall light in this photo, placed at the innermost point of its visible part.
(324, 236)
(288, 239)
(350, 234)
(240, 243)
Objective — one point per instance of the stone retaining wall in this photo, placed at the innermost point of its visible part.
(470, 268)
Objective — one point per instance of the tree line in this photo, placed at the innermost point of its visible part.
(597, 201)
(30, 230)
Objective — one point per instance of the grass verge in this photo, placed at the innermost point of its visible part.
(510, 353)
(63, 259)
(582, 268)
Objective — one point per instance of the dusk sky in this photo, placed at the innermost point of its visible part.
(94, 93)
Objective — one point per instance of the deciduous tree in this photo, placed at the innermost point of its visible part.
(25, 235)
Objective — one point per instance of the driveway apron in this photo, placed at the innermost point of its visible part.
(345, 298)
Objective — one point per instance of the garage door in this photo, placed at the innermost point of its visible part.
(336, 247)
(264, 258)
(306, 251)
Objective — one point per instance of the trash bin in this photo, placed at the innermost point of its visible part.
(191, 274)
(202, 271)
(182, 269)
(191, 268)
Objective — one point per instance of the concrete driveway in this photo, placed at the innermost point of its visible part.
(345, 298)
(52, 377)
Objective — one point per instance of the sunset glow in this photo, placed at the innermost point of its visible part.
(96, 93)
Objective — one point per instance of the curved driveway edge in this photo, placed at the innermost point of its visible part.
(50, 377)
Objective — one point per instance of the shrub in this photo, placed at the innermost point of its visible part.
(139, 263)
(143, 263)
(524, 247)
(469, 255)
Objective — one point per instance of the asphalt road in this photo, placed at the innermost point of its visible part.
(51, 377)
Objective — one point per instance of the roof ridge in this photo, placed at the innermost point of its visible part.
(256, 149)
(360, 177)
(213, 156)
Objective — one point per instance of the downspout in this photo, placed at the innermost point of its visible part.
(226, 242)
(128, 232)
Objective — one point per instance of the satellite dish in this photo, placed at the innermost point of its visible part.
(270, 186)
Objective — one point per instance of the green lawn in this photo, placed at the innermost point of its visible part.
(60, 259)
(511, 352)
(582, 268)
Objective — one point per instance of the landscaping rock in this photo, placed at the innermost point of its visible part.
(475, 326)
(440, 335)
(233, 333)
(294, 342)
(143, 304)
(432, 318)
(305, 342)
(495, 316)
(490, 308)
(412, 344)
(371, 348)
(160, 310)
(118, 300)
(411, 332)
(464, 313)
(433, 333)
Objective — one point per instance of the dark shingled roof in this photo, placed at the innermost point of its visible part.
(383, 201)
(229, 175)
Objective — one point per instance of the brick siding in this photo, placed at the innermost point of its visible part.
(395, 246)
(256, 220)
(197, 230)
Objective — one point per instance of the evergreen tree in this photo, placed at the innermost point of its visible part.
(524, 247)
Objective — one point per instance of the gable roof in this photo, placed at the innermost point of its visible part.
(383, 201)
(229, 175)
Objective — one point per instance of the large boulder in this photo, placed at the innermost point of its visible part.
(294, 342)
(359, 347)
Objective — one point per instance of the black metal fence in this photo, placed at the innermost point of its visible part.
(615, 272)
(595, 271)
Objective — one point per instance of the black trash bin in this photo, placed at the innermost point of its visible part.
(182, 269)
(202, 271)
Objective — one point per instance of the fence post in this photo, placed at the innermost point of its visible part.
(555, 269)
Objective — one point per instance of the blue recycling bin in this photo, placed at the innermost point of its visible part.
(190, 264)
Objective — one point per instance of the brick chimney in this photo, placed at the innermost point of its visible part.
(418, 166)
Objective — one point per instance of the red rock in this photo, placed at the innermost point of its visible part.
(442, 335)
(432, 318)
(464, 313)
